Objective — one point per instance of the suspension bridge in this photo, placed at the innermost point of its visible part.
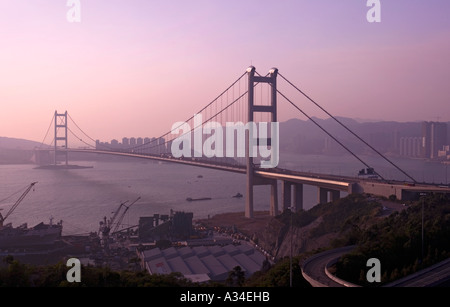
(249, 146)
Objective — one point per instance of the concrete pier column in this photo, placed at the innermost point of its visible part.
(274, 198)
(335, 195)
(248, 147)
(297, 200)
(322, 195)
(249, 194)
(286, 194)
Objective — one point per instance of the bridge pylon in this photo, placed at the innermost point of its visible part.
(61, 137)
(253, 108)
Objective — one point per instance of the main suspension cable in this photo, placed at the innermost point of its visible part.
(48, 130)
(348, 129)
(328, 133)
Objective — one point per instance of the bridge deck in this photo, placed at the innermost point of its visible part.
(332, 182)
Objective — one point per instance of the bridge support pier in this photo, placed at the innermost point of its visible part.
(273, 194)
(286, 194)
(334, 195)
(297, 200)
(292, 197)
(274, 198)
(323, 195)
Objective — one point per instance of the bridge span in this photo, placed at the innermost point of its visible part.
(329, 187)
(240, 103)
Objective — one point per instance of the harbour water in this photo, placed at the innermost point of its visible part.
(82, 197)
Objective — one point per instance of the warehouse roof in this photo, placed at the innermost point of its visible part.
(194, 262)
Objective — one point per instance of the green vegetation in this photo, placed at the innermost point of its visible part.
(397, 242)
(279, 275)
(346, 214)
(20, 275)
(236, 277)
(16, 274)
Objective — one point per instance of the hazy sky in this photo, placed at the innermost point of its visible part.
(134, 67)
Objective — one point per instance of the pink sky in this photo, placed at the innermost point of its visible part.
(133, 68)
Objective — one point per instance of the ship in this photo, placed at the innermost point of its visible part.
(24, 237)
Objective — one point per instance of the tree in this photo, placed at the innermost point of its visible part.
(236, 277)
(266, 266)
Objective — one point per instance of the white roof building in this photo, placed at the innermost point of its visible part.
(202, 263)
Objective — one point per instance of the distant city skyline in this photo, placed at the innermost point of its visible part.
(136, 67)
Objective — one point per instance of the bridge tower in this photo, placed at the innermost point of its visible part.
(61, 122)
(271, 79)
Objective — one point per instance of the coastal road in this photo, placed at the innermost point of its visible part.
(433, 276)
(314, 271)
(314, 268)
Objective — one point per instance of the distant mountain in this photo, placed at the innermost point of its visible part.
(12, 143)
(16, 151)
(296, 136)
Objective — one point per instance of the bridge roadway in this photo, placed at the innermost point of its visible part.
(333, 182)
(329, 186)
(315, 271)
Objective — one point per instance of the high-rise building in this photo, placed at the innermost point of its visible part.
(410, 147)
(434, 136)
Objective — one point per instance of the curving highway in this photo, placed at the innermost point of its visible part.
(429, 277)
(314, 270)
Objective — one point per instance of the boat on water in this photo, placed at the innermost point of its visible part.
(198, 199)
(238, 195)
(23, 236)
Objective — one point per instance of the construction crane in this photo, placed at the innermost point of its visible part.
(3, 218)
(123, 215)
(105, 226)
(116, 213)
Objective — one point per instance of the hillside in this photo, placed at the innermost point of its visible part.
(17, 144)
(16, 151)
(397, 242)
(325, 225)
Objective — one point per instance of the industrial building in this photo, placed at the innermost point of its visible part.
(202, 263)
(176, 226)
